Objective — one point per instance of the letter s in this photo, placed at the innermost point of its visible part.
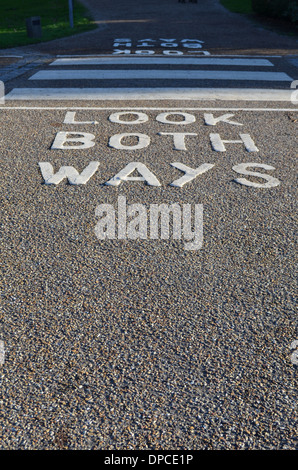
(242, 169)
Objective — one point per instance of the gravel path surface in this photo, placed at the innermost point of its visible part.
(141, 344)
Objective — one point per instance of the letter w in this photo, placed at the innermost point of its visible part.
(69, 172)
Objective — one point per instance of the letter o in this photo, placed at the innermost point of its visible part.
(172, 52)
(145, 52)
(115, 141)
(188, 118)
(116, 117)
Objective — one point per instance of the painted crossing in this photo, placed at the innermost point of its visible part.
(159, 75)
(162, 61)
(157, 78)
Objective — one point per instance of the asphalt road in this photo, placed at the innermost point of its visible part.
(130, 341)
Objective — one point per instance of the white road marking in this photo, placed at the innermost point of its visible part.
(2, 353)
(178, 138)
(144, 108)
(187, 119)
(69, 172)
(11, 56)
(81, 140)
(294, 355)
(242, 168)
(159, 75)
(70, 119)
(202, 94)
(124, 175)
(161, 61)
(115, 141)
(218, 144)
(210, 120)
(76, 56)
(116, 118)
(190, 173)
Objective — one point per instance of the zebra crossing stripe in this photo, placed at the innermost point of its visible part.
(162, 61)
(195, 94)
(155, 93)
(159, 75)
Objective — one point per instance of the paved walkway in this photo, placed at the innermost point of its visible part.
(223, 31)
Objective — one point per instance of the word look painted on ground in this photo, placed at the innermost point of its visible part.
(168, 46)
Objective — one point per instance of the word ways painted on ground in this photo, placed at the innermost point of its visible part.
(76, 140)
(149, 46)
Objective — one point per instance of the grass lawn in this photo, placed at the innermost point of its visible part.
(54, 16)
(280, 25)
(238, 6)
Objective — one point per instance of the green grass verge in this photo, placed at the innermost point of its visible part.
(54, 16)
(238, 6)
(281, 25)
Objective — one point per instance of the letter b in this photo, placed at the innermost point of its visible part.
(84, 140)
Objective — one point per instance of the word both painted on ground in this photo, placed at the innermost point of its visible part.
(84, 140)
(167, 46)
(133, 142)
